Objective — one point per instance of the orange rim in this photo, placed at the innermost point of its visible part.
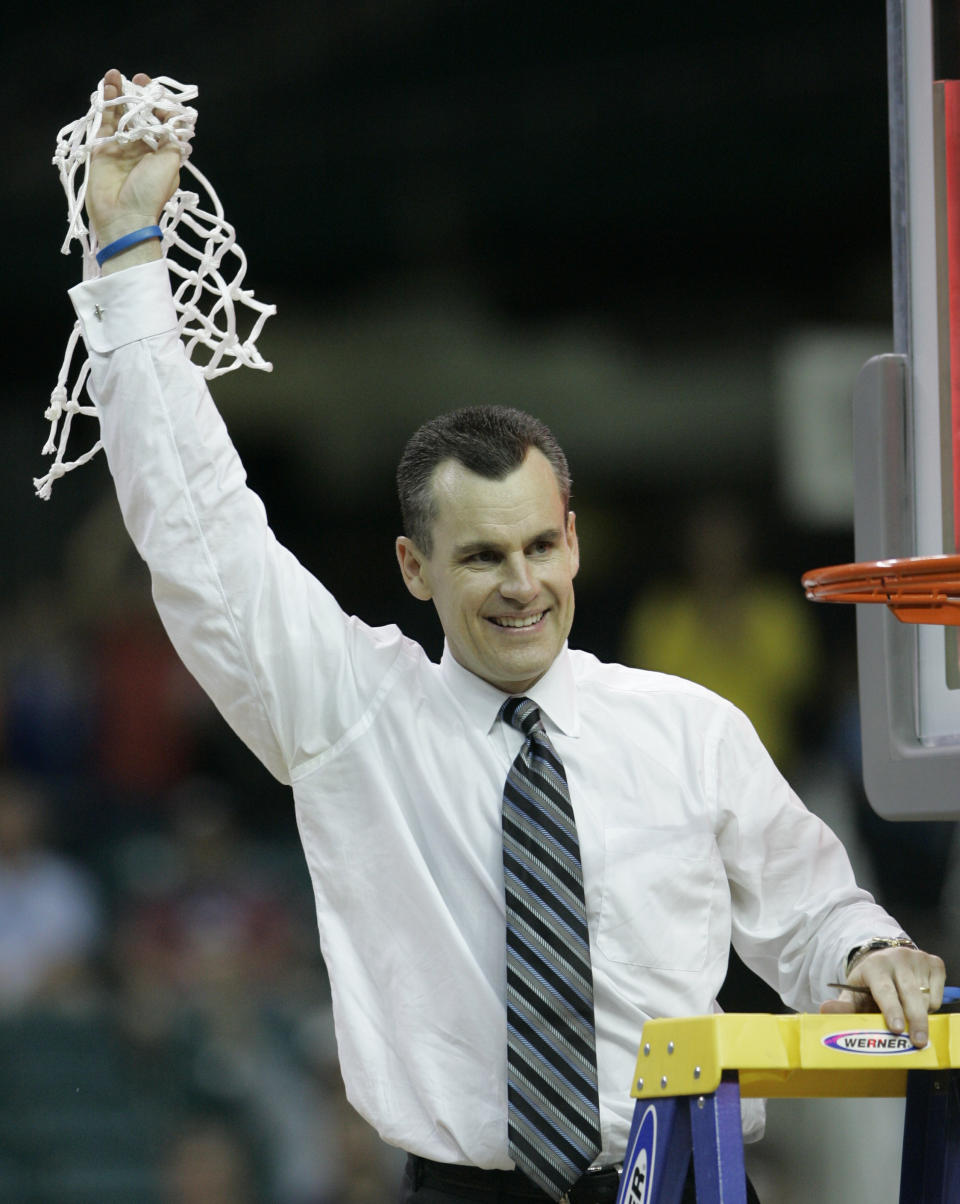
(918, 589)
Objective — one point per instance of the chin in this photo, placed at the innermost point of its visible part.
(519, 678)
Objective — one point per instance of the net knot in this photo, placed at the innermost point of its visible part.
(58, 401)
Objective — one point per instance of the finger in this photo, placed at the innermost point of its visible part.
(887, 1000)
(919, 997)
(141, 79)
(905, 1009)
(916, 1007)
(844, 1004)
(937, 982)
(112, 88)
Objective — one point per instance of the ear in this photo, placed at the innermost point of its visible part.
(573, 543)
(413, 568)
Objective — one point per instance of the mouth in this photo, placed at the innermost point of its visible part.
(516, 622)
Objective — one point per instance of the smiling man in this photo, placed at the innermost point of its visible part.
(518, 854)
(497, 557)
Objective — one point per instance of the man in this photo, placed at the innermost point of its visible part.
(436, 801)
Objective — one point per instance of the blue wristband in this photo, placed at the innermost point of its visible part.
(128, 240)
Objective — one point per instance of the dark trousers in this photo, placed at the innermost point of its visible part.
(426, 1183)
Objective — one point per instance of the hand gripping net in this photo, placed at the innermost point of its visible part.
(197, 241)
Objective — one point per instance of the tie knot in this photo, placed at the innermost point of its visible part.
(523, 714)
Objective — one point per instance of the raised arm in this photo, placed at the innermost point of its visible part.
(287, 669)
(128, 184)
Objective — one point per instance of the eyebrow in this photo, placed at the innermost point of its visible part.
(490, 545)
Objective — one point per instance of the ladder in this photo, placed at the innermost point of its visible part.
(692, 1072)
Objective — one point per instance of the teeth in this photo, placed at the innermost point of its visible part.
(527, 622)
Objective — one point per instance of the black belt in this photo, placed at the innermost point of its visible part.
(594, 1187)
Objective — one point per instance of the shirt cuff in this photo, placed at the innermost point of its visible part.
(125, 307)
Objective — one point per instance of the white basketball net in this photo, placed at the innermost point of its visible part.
(197, 241)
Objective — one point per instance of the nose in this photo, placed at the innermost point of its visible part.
(518, 583)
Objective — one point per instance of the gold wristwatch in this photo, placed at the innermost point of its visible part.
(879, 942)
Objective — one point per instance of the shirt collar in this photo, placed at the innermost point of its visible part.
(555, 693)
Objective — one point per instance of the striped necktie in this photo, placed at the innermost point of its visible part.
(553, 1108)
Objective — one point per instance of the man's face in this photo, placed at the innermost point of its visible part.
(501, 570)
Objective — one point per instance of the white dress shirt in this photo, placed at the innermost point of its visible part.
(689, 836)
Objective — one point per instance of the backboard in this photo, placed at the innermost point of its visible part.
(907, 427)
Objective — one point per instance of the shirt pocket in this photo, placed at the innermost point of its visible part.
(658, 894)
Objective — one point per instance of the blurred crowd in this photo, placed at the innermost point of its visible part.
(165, 1024)
(165, 1027)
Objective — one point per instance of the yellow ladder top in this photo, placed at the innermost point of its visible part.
(792, 1056)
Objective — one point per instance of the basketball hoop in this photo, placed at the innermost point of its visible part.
(918, 589)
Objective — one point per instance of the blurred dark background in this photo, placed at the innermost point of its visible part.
(613, 214)
(662, 228)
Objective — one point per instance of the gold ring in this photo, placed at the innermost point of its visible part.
(924, 990)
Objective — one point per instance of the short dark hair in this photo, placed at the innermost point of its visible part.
(491, 441)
